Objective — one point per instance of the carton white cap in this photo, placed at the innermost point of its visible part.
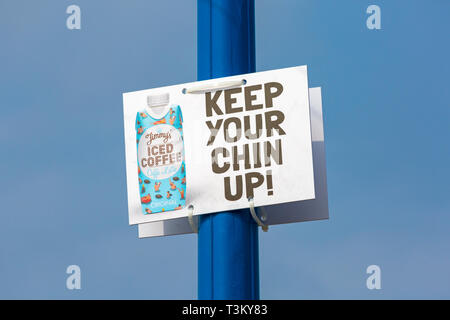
(158, 100)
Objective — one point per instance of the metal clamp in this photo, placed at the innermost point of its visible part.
(191, 219)
(218, 86)
(258, 221)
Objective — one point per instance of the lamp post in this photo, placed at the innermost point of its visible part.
(228, 264)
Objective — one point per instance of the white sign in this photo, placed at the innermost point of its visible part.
(249, 140)
(301, 211)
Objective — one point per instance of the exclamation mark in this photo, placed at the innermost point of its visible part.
(269, 182)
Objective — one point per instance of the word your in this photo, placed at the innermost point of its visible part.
(374, 280)
(262, 130)
(374, 21)
(74, 20)
(74, 280)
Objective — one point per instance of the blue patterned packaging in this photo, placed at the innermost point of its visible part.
(160, 153)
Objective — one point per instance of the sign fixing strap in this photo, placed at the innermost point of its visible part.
(218, 86)
(258, 221)
(191, 219)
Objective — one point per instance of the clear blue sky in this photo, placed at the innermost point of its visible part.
(386, 108)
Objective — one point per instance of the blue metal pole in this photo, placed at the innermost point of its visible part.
(228, 266)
